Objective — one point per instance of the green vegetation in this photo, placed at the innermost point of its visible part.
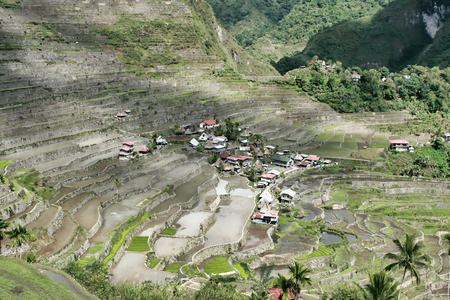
(30, 179)
(4, 163)
(43, 32)
(154, 262)
(119, 238)
(244, 274)
(14, 4)
(19, 280)
(169, 231)
(139, 244)
(316, 253)
(192, 270)
(173, 268)
(217, 266)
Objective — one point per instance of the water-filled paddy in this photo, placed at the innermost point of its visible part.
(329, 238)
(131, 268)
(166, 246)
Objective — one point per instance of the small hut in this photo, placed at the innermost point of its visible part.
(227, 167)
(144, 150)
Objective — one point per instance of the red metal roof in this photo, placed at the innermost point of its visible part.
(126, 149)
(240, 157)
(398, 142)
(270, 176)
(144, 149)
(131, 144)
(314, 158)
(210, 122)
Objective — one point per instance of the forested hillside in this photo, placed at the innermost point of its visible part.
(367, 34)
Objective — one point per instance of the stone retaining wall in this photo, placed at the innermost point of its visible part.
(15, 208)
(99, 223)
(258, 249)
(8, 198)
(56, 223)
(31, 216)
(62, 263)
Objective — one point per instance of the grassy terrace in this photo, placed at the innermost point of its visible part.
(316, 253)
(119, 238)
(217, 266)
(4, 163)
(139, 244)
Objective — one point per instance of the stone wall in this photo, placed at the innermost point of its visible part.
(31, 216)
(258, 249)
(65, 248)
(99, 223)
(15, 208)
(8, 198)
(62, 263)
(56, 223)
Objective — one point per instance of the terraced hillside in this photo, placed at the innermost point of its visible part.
(67, 72)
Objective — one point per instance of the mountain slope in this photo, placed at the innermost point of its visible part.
(394, 37)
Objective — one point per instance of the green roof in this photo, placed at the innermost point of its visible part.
(282, 158)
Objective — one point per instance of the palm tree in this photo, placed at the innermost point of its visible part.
(447, 240)
(411, 257)
(20, 235)
(286, 285)
(381, 286)
(299, 276)
(259, 289)
(3, 225)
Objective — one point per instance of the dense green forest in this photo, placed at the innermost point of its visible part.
(419, 89)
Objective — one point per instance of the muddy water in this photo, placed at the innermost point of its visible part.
(330, 217)
(365, 237)
(309, 198)
(283, 270)
(83, 183)
(134, 184)
(330, 238)
(135, 199)
(257, 235)
(189, 223)
(37, 150)
(61, 193)
(187, 190)
(168, 178)
(311, 212)
(232, 217)
(73, 202)
(45, 218)
(62, 236)
(351, 238)
(165, 246)
(87, 216)
(131, 268)
(345, 215)
(444, 258)
(113, 216)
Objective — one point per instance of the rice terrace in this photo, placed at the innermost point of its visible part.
(174, 158)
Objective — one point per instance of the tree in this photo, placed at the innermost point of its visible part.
(286, 285)
(3, 225)
(20, 235)
(381, 286)
(346, 291)
(259, 290)
(411, 257)
(299, 276)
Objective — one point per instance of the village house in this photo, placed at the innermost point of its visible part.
(239, 161)
(219, 148)
(356, 77)
(265, 199)
(287, 196)
(400, 145)
(209, 123)
(161, 141)
(312, 159)
(282, 160)
(203, 137)
(274, 172)
(194, 143)
(268, 177)
(126, 151)
(224, 155)
(121, 114)
(221, 140)
(144, 150)
(268, 216)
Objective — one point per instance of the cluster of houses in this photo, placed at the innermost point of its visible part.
(127, 150)
(266, 204)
